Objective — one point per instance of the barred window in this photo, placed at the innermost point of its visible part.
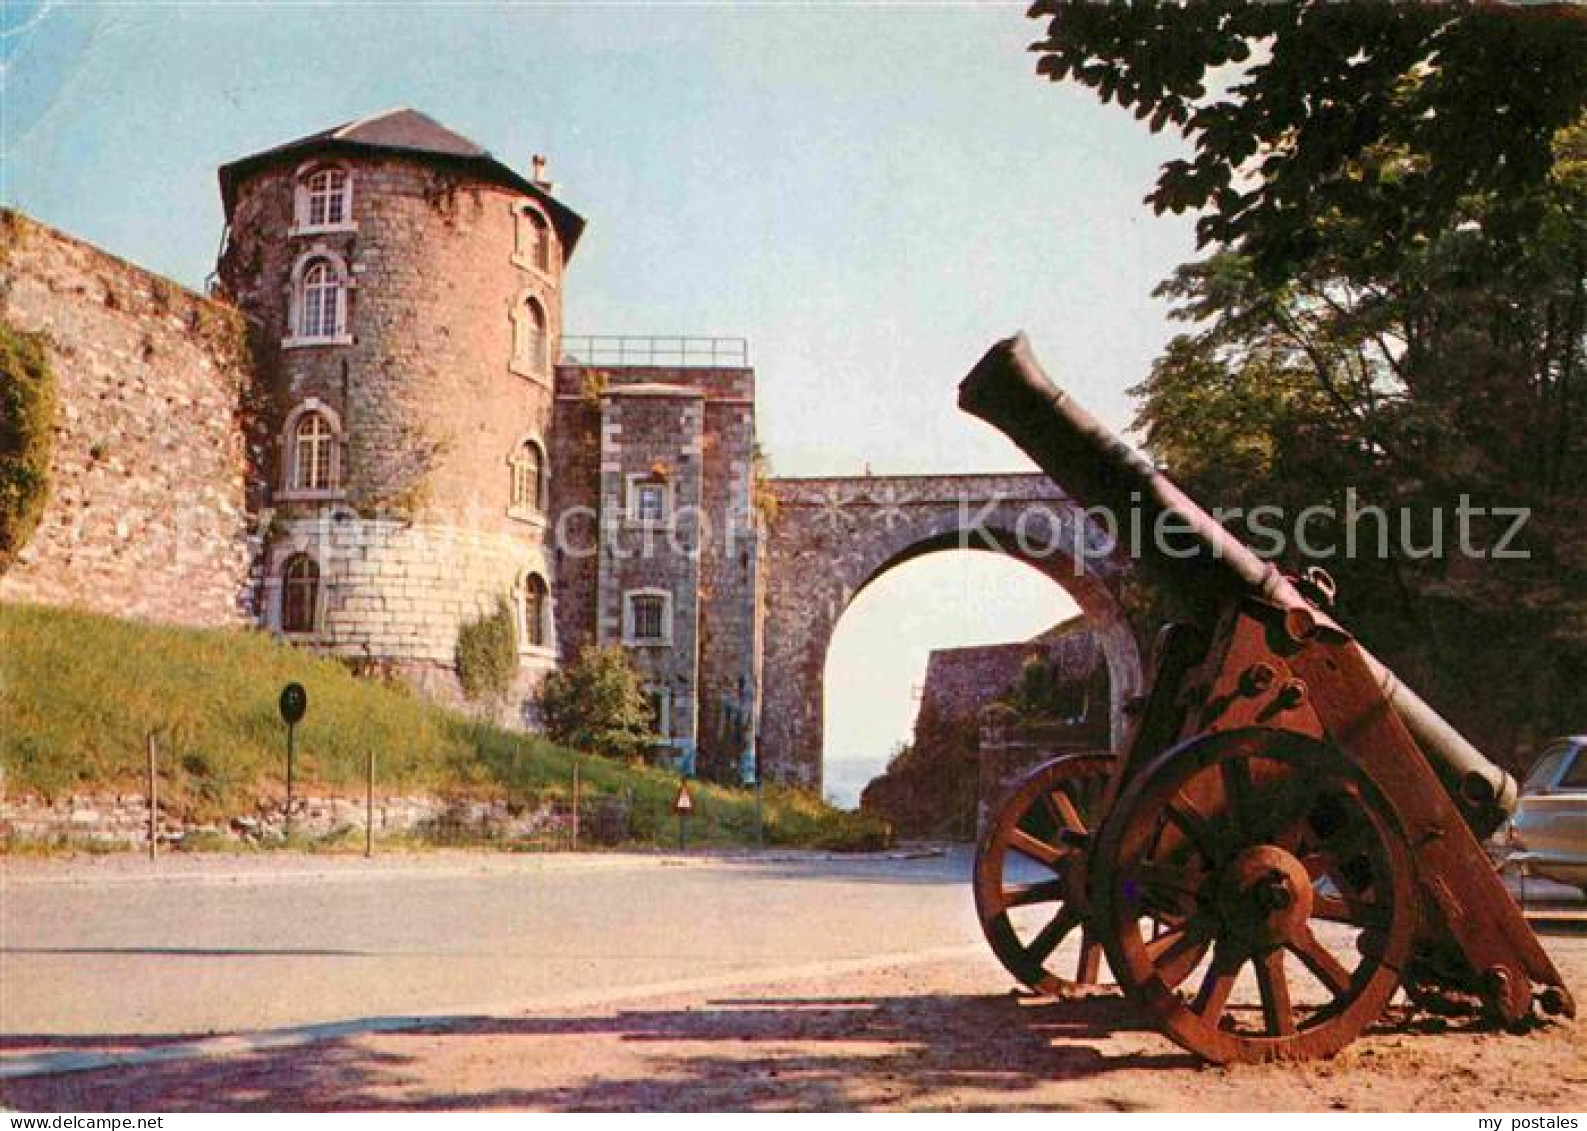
(300, 594)
(647, 613)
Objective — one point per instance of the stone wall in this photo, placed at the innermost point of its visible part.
(834, 536)
(122, 821)
(147, 514)
(960, 682)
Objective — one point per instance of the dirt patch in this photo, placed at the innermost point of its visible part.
(940, 1036)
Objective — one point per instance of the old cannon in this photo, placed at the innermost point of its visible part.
(1290, 835)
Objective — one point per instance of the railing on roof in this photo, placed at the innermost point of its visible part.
(679, 351)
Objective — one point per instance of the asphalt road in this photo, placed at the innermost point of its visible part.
(177, 948)
(617, 983)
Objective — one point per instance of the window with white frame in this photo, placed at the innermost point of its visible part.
(528, 479)
(532, 240)
(647, 617)
(300, 594)
(321, 301)
(313, 452)
(327, 197)
(324, 199)
(536, 610)
(649, 500)
(531, 337)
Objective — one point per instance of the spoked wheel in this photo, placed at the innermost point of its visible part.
(1283, 868)
(1030, 874)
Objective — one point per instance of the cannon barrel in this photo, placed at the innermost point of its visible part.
(1009, 390)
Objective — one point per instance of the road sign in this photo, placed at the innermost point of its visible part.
(684, 803)
(294, 703)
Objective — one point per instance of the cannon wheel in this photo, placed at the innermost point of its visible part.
(1285, 866)
(1042, 825)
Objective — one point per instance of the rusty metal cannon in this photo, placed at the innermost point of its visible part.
(1291, 835)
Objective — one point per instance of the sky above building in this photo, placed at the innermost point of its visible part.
(870, 194)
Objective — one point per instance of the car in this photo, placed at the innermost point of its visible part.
(1548, 833)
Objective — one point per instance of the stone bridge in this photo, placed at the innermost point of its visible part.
(830, 538)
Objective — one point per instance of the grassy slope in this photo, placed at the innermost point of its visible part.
(79, 693)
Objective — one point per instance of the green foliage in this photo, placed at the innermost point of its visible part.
(79, 693)
(1284, 104)
(932, 785)
(27, 431)
(1393, 313)
(487, 654)
(597, 703)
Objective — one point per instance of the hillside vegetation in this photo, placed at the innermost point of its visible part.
(79, 693)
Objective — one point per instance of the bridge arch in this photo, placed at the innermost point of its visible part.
(832, 537)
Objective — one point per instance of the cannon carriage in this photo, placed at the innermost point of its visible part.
(1290, 836)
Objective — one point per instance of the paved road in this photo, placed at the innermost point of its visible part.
(188, 950)
(615, 983)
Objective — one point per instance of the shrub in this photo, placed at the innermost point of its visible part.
(487, 654)
(27, 429)
(598, 704)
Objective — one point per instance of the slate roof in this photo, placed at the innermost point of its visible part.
(411, 132)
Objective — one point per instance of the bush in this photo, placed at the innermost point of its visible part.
(27, 429)
(597, 703)
(487, 654)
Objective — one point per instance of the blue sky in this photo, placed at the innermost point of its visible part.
(871, 194)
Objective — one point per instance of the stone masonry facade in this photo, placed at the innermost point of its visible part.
(147, 510)
(373, 433)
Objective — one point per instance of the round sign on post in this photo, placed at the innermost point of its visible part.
(294, 703)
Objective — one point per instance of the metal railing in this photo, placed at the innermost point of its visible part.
(676, 350)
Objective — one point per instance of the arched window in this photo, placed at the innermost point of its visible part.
(528, 478)
(320, 302)
(532, 343)
(313, 454)
(300, 594)
(327, 197)
(532, 240)
(536, 607)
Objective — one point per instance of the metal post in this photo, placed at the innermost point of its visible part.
(575, 804)
(369, 807)
(290, 729)
(154, 800)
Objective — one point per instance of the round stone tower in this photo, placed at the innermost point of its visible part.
(404, 289)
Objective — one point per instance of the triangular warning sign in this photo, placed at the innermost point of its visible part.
(684, 803)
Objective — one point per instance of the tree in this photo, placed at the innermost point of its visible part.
(1283, 101)
(598, 704)
(1394, 201)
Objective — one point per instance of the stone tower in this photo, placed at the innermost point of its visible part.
(404, 293)
(662, 547)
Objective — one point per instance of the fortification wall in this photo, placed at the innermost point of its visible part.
(146, 514)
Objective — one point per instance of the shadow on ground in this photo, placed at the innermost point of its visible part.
(746, 1053)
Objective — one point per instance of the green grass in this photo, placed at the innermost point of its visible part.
(79, 693)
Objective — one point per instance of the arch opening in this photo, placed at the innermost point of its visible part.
(928, 641)
(834, 540)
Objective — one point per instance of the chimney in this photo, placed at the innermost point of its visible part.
(539, 174)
